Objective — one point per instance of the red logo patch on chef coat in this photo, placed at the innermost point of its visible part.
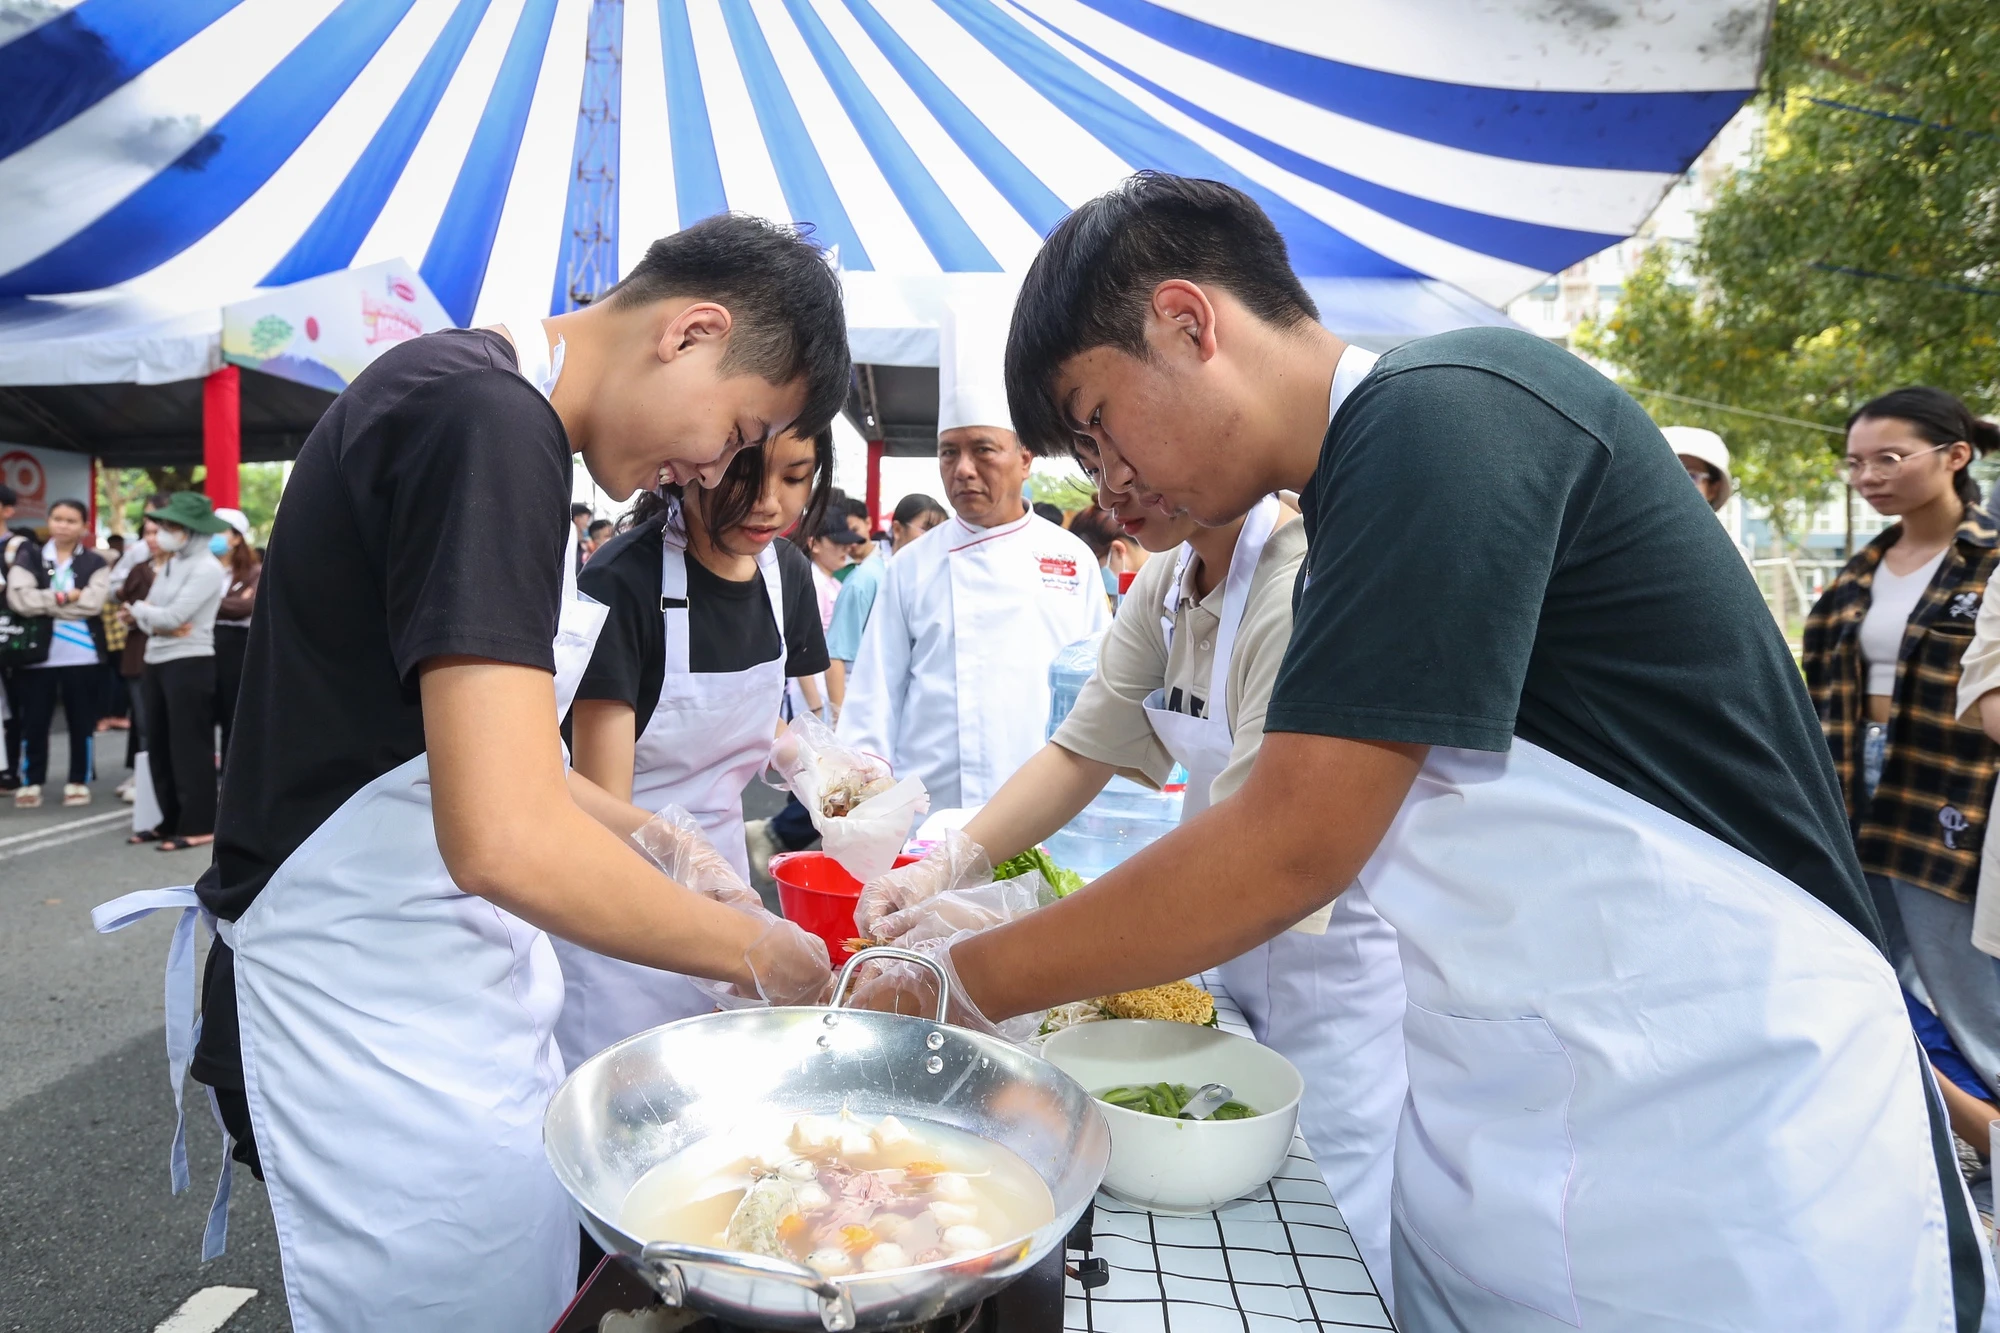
(1058, 573)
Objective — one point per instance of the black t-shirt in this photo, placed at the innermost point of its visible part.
(729, 623)
(1502, 545)
(426, 516)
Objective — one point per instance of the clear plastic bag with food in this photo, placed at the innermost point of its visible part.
(863, 814)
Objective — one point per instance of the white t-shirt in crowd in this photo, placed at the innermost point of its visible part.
(1894, 600)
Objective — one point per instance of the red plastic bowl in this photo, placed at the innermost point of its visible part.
(816, 893)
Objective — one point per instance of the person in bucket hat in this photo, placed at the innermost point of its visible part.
(178, 616)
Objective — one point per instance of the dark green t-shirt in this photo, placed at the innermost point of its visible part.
(1502, 544)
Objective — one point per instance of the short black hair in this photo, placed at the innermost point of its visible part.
(71, 502)
(783, 299)
(578, 510)
(1092, 282)
(1053, 513)
(850, 506)
(8, 498)
(600, 525)
(915, 506)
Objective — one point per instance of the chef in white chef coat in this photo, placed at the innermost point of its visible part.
(952, 681)
(1660, 1073)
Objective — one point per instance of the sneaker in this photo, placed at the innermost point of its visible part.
(75, 793)
(127, 790)
(9, 780)
(29, 797)
(762, 844)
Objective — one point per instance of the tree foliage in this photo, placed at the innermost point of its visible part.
(1858, 251)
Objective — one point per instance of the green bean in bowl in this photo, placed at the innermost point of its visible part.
(1166, 1099)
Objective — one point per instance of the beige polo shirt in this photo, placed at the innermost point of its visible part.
(1109, 723)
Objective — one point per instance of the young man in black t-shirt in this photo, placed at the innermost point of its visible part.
(397, 823)
(1535, 706)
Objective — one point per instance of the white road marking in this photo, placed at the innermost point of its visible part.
(87, 820)
(52, 838)
(207, 1310)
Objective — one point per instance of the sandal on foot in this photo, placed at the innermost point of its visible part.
(147, 835)
(28, 797)
(178, 844)
(75, 793)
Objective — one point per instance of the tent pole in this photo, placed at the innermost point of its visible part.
(222, 434)
(876, 448)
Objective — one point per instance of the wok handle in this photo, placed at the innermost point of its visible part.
(664, 1259)
(882, 951)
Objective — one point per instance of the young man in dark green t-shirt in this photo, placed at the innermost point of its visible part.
(1533, 701)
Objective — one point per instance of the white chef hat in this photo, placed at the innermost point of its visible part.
(1705, 445)
(972, 355)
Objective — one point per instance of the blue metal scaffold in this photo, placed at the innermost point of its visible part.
(590, 222)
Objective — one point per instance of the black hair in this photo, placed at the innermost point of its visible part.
(787, 321)
(1093, 282)
(1940, 418)
(1052, 513)
(7, 497)
(913, 507)
(732, 499)
(849, 506)
(70, 502)
(578, 510)
(598, 525)
(1096, 529)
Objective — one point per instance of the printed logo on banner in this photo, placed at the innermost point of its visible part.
(23, 474)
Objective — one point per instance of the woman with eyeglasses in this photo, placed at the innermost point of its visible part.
(1882, 658)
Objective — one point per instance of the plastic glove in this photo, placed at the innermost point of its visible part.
(788, 966)
(956, 910)
(897, 987)
(675, 843)
(956, 863)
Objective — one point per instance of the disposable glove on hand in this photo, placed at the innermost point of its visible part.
(787, 965)
(955, 863)
(956, 910)
(675, 843)
(897, 987)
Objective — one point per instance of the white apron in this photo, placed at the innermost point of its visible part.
(707, 738)
(1653, 1084)
(1330, 1003)
(398, 1053)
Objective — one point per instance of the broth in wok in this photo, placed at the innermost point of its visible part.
(841, 1194)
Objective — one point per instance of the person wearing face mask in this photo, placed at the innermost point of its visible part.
(709, 616)
(1650, 1032)
(1185, 675)
(400, 831)
(66, 581)
(951, 684)
(178, 617)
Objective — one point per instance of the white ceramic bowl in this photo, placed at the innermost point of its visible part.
(1183, 1166)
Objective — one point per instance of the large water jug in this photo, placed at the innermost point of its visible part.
(1125, 816)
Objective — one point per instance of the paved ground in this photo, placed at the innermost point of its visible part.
(90, 1238)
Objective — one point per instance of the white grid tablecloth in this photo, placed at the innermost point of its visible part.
(1277, 1261)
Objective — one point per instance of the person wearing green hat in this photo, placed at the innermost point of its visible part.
(178, 617)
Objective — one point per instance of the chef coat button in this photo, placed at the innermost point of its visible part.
(1206, 645)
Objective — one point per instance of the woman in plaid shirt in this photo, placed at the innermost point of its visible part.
(1882, 654)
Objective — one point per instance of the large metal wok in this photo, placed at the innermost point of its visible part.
(630, 1107)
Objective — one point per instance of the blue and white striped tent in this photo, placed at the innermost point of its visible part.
(1433, 157)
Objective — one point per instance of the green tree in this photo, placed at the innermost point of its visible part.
(1059, 483)
(1859, 249)
(258, 486)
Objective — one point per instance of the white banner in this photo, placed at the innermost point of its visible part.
(40, 476)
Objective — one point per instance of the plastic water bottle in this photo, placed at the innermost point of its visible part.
(1071, 668)
(1125, 816)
